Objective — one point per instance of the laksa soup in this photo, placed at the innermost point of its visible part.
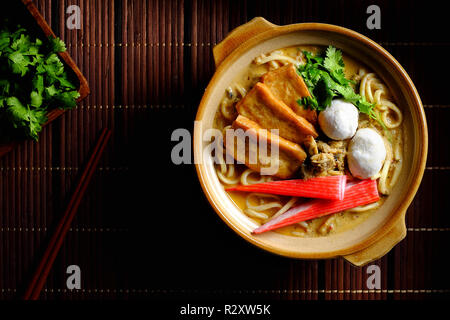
(336, 132)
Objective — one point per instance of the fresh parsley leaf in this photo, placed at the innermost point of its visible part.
(334, 64)
(325, 77)
(65, 83)
(38, 83)
(19, 63)
(33, 81)
(4, 87)
(51, 91)
(365, 107)
(21, 44)
(309, 101)
(68, 99)
(57, 45)
(36, 99)
(23, 117)
(333, 60)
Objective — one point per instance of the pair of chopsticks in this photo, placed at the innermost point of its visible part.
(57, 238)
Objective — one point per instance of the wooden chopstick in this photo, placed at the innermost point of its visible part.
(40, 276)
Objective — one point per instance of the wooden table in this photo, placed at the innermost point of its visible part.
(145, 228)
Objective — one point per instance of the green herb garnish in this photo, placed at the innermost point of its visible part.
(324, 75)
(32, 82)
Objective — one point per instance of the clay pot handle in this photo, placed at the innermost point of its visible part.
(238, 36)
(381, 247)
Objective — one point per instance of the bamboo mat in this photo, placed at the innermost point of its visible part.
(145, 229)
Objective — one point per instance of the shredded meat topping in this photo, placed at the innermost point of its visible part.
(325, 158)
(311, 145)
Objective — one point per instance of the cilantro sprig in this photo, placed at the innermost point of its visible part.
(33, 81)
(324, 75)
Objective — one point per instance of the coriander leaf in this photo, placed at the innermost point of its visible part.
(57, 45)
(33, 80)
(16, 34)
(4, 87)
(333, 60)
(36, 99)
(365, 107)
(312, 58)
(19, 63)
(32, 51)
(21, 44)
(16, 108)
(309, 102)
(53, 66)
(334, 63)
(65, 83)
(4, 40)
(38, 83)
(22, 117)
(325, 78)
(324, 90)
(68, 99)
(51, 91)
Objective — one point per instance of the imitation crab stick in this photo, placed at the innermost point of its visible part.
(356, 194)
(331, 187)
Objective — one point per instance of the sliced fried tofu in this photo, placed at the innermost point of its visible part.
(261, 106)
(245, 148)
(288, 86)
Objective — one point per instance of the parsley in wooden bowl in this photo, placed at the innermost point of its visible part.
(38, 79)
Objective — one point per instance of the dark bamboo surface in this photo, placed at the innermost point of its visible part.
(145, 228)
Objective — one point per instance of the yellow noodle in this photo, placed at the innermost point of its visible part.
(227, 178)
(273, 64)
(382, 182)
(297, 234)
(375, 177)
(327, 224)
(245, 177)
(369, 84)
(366, 207)
(265, 206)
(368, 92)
(255, 210)
(304, 225)
(286, 207)
(259, 197)
(256, 214)
(276, 56)
(241, 90)
(363, 88)
(391, 124)
(396, 173)
(225, 172)
(377, 96)
(398, 149)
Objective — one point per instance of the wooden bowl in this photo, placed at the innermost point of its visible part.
(83, 88)
(374, 237)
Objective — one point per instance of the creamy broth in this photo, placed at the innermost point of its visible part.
(338, 222)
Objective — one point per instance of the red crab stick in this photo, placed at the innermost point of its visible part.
(331, 187)
(356, 194)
